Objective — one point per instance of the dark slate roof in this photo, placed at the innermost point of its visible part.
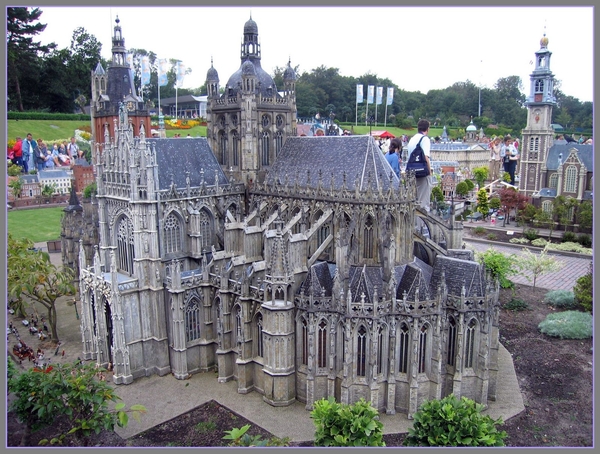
(364, 280)
(588, 195)
(548, 192)
(413, 279)
(318, 277)
(586, 155)
(264, 80)
(358, 157)
(458, 273)
(176, 156)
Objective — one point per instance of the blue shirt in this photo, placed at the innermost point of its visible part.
(392, 158)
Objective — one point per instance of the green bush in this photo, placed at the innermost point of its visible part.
(584, 291)
(500, 266)
(492, 236)
(585, 240)
(564, 299)
(539, 242)
(569, 237)
(12, 115)
(570, 247)
(346, 425)
(453, 422)
(519, 240)
(531, 234)
(516, 305)
(14, 170)
(89, 190)
(567, 325)
(479, 230)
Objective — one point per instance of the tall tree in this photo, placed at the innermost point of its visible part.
(22, 51)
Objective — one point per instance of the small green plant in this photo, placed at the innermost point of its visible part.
(506, 177)
(516, 305)
(500, 266)
(564, 299)
(567, 325)
(16, 186)
(492, 236)
(537, 264)
(240, 437)
(281, 442)
(540, 242)
(89, 190)
(479, 230)
(519, 241)
(346, 425)
(584, 291)
(13, 170)
(531, 234)
(205, 426)
(585, 240)
(454, 422)
(569, 237)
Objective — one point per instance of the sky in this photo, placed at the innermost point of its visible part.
(417, 48)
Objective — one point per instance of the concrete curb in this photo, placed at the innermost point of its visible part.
(528, 246)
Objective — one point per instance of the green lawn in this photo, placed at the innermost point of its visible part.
(36, 224)
(47, 130)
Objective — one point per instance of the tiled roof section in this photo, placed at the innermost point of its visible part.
(56, 173)
(413, 279)
(318, 278)
(459, 273)
(363, 281)
(548, 192)
(176, 156)
(29, 178)
(314, 158)
(586, 155)
(587, 195)
(425, 268)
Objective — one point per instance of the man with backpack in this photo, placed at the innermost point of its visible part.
(73, 150)
(423, 183)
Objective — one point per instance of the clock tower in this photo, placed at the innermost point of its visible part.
(112, 88)
(538, 134)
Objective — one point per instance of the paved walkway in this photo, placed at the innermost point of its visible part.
(166, 397)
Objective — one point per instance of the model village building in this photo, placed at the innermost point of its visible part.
(288, 264)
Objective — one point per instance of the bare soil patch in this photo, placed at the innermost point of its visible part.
(555, 377)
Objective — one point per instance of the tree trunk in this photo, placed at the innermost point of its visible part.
(26, 435)
(52, 322)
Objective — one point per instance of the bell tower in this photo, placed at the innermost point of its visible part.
(538, 134)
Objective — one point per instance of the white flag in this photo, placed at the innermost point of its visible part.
(370, 93)
(359, 93)
(162, 72)
(180, 72)
(390, 96)
(379, 95)
(129, 58)
(145, 70)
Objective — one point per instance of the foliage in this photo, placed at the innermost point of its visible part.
(516, 305)
(492, 236)
(33, 115)
(539, 242)
(569, 247)
(564, 299)
(437, 194)
(537, 264)
(454, 422)
(481, 175)
(585, 240)
(16, 187)
(528, 213)
(33, 277)
(501, 266)
(531, 234)
(519, 240)
(90, 190)
(479, 230)
(584, 291)
(495, 203)
(13, 170)
(470, 184)
(482, 202)
(462, 188)
(585, 214)
(570, 237)
(567, 325)
(240, 437)
(346, 425)
(506, 177)
(48, 190)
(41, 395)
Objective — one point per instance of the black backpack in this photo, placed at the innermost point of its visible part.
(417, 162)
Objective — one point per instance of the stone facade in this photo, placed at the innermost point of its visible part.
(307, 280)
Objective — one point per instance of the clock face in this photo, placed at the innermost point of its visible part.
(130, 106)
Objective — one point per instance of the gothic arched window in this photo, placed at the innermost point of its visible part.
(278, 142)
(539, 86)
(547, 206)
(304, 355)
(423, 348)
(452, 332)
(368, 238)
(238, 325)
(534, 144)
(361, 352)
(322, 344)
(172, 232)
(381, 351)
(470, 343)
(223, 148)
(571, 179)
(125, 249)
(192, 320)
(235, 148)
(206, 233)
(553, 183)
(259, 336)
(265, 148)
(404, 349)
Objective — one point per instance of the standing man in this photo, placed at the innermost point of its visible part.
(73, 150)
(29, 147)
(423, 184)
(495, 148)
(510, 155)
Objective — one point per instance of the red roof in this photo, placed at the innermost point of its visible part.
(383, 134)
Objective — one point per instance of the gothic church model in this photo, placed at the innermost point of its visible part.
(299, 274)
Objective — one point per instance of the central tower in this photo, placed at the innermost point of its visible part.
(248, 121)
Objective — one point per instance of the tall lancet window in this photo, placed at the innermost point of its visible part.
(125, 249)
(539, 86)
(361, 352)
(192, 320)
(322, 344)
(205, 230)
(172, 234)
(368, 238)
(265, 148)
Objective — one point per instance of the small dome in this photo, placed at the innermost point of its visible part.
(250, 27)
(471, 127)
(289, 73)
(248, 69)
(544, 41)
(212, 74)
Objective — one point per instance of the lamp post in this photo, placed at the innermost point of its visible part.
(331, 129)
(371, 120)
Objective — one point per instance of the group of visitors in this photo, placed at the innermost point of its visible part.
(32, 154)
(505, 153)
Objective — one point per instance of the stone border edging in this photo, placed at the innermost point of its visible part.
(529, 246)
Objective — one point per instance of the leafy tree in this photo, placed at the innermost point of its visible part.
(585, 214)
(495, 203)
(481, 175)
(584, 290)
(32, 277)
(437, 194)
(482, 202)
(71, 390)
(501, 266)
(16, 187)
(527, 214)
(48, 190)
(537, 264)
(470, 184)
(462, 188)
(22, 51)
(545, 219)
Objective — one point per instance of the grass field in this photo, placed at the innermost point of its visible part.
(36, 224)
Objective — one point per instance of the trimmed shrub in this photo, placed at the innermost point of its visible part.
(346, 425)
(479, 230)
(453, 422)
(570, 247)
(567, 325)
(516, 305)
(584, 291)
(540, 242)
(585, 240)
(531, 234)
(500, 266)
(569, 237)
(492, 236)
(563, 299)
(519, 241)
